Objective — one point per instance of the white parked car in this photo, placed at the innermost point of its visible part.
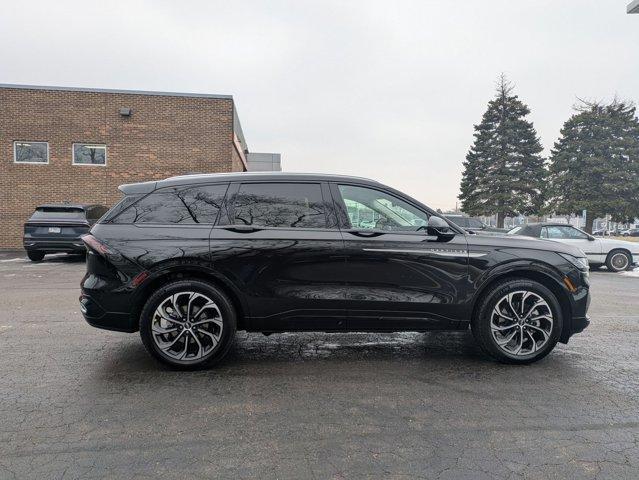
(617, 255)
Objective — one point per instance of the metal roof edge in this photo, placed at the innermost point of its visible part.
(116, 91)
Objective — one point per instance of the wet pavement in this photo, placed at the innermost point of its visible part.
(76, 402)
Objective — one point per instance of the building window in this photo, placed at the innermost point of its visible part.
(89, 154)
(30, 152)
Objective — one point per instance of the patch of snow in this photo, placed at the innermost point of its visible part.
(631, 273)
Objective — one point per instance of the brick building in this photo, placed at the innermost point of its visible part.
(78, 145)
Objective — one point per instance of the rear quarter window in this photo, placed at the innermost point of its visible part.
(176, 206)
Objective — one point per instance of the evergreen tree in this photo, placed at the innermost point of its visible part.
(595, 163)
(504, 172)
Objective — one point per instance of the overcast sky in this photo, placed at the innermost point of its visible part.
(383, 89)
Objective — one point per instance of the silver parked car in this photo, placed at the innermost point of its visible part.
(617, 255)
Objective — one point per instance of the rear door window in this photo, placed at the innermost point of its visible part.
(177, 206)
(284, 205)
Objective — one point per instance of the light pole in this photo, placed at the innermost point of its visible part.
(633, 7)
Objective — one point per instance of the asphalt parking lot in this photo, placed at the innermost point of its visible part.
(77, 402)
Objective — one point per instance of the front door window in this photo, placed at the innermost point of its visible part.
(372, 209)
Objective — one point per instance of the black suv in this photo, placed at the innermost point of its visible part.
(54, 228)
(189, 260)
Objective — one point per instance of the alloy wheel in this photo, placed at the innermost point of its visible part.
(521, 323)
(187, 326)
(619, 261)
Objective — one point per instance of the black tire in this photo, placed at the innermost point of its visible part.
(618, 261)
(481, 324)
(224, 305)
(35, 256)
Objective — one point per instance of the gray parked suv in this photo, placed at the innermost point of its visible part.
(56, 228)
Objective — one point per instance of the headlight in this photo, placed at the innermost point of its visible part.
(580, 262)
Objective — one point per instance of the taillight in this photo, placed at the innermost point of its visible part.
(95, 244)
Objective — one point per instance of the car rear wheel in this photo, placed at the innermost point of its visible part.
(188, 324)
(518, 321)
(618, 261)
(35, 256)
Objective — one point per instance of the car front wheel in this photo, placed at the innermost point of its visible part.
(188, 324)
(518, 321)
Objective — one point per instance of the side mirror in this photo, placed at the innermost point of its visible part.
(591, 238)
(439, 228)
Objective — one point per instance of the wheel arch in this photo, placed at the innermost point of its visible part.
(146, 289)
(542, 277)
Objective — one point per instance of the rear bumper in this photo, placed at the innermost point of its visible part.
(97, 317)
(73, 244)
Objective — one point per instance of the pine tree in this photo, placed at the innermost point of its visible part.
(504, 172)
(595, 163)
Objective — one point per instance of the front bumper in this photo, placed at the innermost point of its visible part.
(576, 318)
(579, 324)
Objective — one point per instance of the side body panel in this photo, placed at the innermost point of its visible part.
(401, 280)
(405, 281)
(290, 278)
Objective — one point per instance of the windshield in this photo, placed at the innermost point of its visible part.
(474, 223)
(459, 221)
(514, 230)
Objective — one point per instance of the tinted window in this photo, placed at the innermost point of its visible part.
(177, 206)
(46, 213)
(122, 205)
(296, 205)
(373, 209)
